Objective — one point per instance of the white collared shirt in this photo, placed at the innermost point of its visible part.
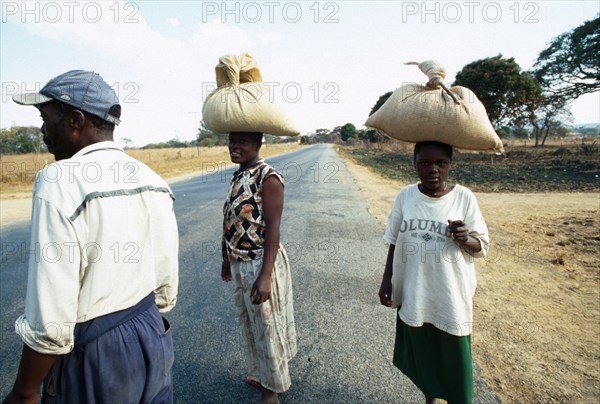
(103, 237)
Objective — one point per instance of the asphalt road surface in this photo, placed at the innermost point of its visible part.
(345, 337)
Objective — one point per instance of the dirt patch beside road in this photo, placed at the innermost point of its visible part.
(537, 305)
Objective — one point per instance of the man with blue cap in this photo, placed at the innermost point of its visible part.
(105, 259)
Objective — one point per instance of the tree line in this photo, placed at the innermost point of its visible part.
(21, 140)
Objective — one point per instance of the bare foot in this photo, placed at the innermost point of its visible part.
(268, 397)
(252, 382)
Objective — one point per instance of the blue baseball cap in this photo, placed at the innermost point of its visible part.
(81, 89)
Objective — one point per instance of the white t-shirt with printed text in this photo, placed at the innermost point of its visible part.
(433, 278)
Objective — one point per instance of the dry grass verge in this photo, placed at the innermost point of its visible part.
(18, 172)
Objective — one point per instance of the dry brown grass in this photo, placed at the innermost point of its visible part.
(18, 172)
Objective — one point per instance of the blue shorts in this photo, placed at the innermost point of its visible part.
(122, 357)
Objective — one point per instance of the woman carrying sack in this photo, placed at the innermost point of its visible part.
(253, 257)
(434, 231)
(258, 265)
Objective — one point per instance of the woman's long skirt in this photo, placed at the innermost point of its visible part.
(268, 329)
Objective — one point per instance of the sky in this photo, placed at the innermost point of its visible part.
(327, 62)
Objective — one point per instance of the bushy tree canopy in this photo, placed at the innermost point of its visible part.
(208, 138)
(570, 66)
(502, 87)
(21, 139)
(348, 131)
(382, 99)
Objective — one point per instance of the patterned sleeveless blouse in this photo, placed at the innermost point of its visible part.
(243, 218)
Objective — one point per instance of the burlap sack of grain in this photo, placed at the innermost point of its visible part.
(455, 116)
(242, 103)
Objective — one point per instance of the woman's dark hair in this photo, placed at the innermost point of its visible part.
(257, 137)
(441, 145)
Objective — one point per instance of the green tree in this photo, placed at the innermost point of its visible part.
(362, 135)
(348, 131)
(21, 140)
(552, 114)
(508, 94)
(570, 65)
(207, 138)
(561, 132)
(324, 135)
(520, 132)
(305, 139)
(177, 143)
(380, 101)
(127, 142)
(503, 132)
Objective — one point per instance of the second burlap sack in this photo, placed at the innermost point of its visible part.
(415, 113)
(242, 103)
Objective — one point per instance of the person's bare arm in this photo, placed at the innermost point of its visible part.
(385, 290)
(226, 265)
(33, 368)
(272, 199)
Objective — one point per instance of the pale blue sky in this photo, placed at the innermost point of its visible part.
(327, 61)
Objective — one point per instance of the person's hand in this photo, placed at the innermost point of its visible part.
(226, 271)
(14, 398)
(261, 290)
(385, 293)
(458, 230)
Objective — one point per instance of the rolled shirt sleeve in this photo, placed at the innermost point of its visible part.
(167, 266)
(47, 326)
(478, 227)
(393, 223)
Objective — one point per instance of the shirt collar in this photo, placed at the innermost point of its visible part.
(250, 170)
(108, 144)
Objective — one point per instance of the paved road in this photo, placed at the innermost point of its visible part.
(345, 337)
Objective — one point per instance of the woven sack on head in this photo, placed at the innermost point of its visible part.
(455, 116)
(242, 103)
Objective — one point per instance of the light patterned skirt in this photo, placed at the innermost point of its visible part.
(268, 329)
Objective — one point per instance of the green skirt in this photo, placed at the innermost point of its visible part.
(438, 363)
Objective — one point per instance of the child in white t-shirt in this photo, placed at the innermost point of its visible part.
(435, 230)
